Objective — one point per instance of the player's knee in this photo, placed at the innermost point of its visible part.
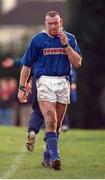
(51, 121)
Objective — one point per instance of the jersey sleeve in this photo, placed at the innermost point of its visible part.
(73, 43)
(76, 47)
(30, 54)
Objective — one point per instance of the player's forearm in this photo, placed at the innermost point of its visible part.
(24, 75)
(74, 57)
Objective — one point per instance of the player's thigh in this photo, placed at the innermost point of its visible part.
(47, 108)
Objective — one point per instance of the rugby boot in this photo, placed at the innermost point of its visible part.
(31, 141)
(56, 164)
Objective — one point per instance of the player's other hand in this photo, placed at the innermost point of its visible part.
(73, 86)
(22, 96)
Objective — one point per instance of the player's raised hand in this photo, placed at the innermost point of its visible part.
(63, 37)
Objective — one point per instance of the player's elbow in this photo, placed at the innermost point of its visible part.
(78, 63)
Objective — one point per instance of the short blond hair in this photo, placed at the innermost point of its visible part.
(53, 13)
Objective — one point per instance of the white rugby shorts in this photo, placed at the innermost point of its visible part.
(53, 89)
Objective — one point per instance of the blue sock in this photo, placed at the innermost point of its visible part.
(46, 156)
(51, 144)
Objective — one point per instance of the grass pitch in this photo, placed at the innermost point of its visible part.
(82, 154)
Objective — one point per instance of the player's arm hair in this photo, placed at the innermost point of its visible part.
(24, 75)
(74, 57)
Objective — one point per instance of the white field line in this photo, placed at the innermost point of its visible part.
(14, 166)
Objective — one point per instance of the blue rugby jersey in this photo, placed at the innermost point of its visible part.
(48, 55)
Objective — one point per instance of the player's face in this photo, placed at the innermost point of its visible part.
(53, 24)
